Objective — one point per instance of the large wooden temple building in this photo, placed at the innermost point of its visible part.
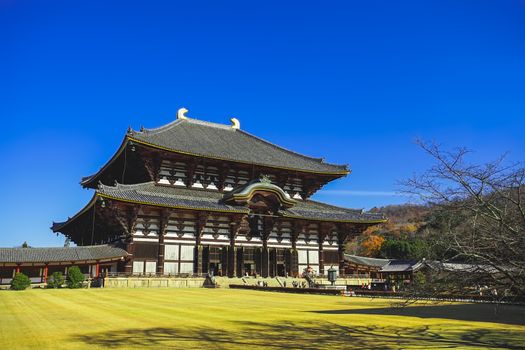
(194, 197)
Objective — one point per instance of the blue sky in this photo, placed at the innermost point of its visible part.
(352, 81)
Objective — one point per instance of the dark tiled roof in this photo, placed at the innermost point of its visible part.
(58, 254)
(401, 266)
(316, 210)
(365, 261)
(151, 193)
(385, 265)
(221, 141)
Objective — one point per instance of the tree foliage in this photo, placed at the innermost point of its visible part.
(20, 282)
(56, 280)
(74, 277)
(404, 248)
(477, 218)
(372, 245)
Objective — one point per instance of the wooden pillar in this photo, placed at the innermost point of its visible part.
(130, 248)
(127, 216)
(294, 259)
(200, 223)
(321, 259)
(294, 262)
(264, 257)
(258, 260)
(164, 221)
(160, 257)
(97, 270)
(17, 270)
(325, 229)
(232, 251)
(45, 273)
(198, 259)
(240, 262)
(239, 223)
(272, 262)
(341, 254)
(224, 260)
(267, 229)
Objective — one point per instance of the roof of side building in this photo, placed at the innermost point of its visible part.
(60, 254)
(366, 261)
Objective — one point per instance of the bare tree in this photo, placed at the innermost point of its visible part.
(477, 222)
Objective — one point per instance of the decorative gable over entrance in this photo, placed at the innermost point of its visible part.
(261, 196)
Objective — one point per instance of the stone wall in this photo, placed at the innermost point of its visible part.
(223, 282)
(153, 282)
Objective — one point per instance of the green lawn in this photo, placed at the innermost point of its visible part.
(239, 319)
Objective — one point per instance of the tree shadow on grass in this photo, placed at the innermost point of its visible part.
(506, 314)
(305, 336)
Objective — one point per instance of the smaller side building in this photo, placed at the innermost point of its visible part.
(382, 272)
(39, 263)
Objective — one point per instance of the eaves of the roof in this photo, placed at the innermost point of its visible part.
(93, 178)
(194, 199)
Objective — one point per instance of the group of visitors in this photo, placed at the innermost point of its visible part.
(365, 286)
(262, 283)
(297, 284)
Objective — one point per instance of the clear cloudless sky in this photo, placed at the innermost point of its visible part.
(353, 81)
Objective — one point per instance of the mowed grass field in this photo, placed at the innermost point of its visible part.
(240, 319)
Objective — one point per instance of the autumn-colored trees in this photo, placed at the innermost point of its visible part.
(372, 245)
(397, 238)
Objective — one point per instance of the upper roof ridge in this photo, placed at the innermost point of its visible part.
(211, 124)
(180, 121)
(152, 131)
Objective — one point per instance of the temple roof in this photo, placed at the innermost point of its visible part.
(184, 198)
(366, 261)
(401, 266)
(168, 196)
(60, 254)
(384, 265)
(218, 141)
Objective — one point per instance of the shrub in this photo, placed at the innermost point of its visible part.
(74, 277)
(56, 280)
(20, 282)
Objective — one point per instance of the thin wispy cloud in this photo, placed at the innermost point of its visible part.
(362, 193)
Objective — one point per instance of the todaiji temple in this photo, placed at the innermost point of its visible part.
(193, 197)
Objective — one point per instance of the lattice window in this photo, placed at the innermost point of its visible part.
(249, 254)
(215, 254)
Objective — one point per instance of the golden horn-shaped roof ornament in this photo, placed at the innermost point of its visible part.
(181, 113)
(236, 124)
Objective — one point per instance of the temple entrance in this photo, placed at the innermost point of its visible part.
(248, 256)
(215, 269)
(277, 262)
(249, 269)
(214, 260)
(281, 271)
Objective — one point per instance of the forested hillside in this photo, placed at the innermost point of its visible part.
(399, 238)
